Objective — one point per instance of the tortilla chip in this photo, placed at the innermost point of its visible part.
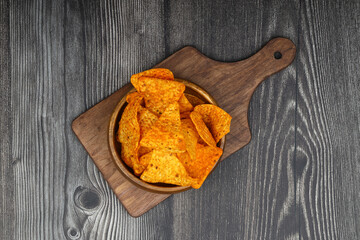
(206, 158)
(193, 99)
(166, 133)
(126, 155)
(185, 115)
(216, 119)
(126, 151)
(161, 73)
(132, 96)
(165, 167)
(145, 159)
(202, 129)
(146, 120)
(129, 133)
(156, 106)
(190, 135)
(143, 150)
(185, 105)
(159, 93)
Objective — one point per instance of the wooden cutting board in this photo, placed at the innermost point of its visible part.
(231, 84)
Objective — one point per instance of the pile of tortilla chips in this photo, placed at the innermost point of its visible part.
(168, 136)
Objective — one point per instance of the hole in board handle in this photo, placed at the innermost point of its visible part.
(277, 55)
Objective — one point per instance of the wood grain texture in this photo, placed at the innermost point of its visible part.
(260, 175)
(105, 43)
(91, 127)
(243, 76)
(38, 113)
(297, 179)
(328, 121)
(7, 216)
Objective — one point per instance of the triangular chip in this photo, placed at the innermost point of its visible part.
(133, 96)
(145, 159)
(193, 99)
(216, 119)
(199, 169)
(161, 73)
(159, 93)
(185, 105)
(190, 135)
(165, 167)
(185, 115)
(129, 135)
(202, 129)
(166, 133)
(146, 120)
(156, 106)
(143, 150)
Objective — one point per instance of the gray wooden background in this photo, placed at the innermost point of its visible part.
(299, 178)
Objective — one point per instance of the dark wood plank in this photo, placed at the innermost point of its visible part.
(105, 43)
(38, 137)
(251, 195)
(55, 76)
(328, 120)
(7, 215)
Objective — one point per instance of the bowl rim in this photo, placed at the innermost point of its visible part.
(123, 168)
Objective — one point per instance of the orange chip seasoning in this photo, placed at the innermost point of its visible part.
(145, 159)
(206, 158)
(166, 133)
(143, 151)
(202, 129)
(161, 73)
(185, 115)
(193, 99)
(132, 96)
(160, 89)
(165, 167)
(146, 120)
(216, 119)
(185, 105)
(129, 134)
(191, 136)
(159, 93)
(156, 106)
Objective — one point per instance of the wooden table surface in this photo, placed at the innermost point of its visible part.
(299, 178)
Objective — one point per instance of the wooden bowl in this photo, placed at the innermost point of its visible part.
(115, 146)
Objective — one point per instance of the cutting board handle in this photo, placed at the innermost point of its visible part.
(276, 55)
(232, 84)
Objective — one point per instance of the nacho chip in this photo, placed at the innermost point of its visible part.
(206, 158)
(216, 119)
(146, 120)
(127, 151)
(161, 89)
(129, 133)
(143, 150)
(166, 133)
(159, 93)
(165, 167)
(190, 135)
(132, 96)
(145, 159)
(185, 105)
(193, 99)
(202, 129)
(126, 155)
(161, 73)
(156, 106)
(185, 115)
